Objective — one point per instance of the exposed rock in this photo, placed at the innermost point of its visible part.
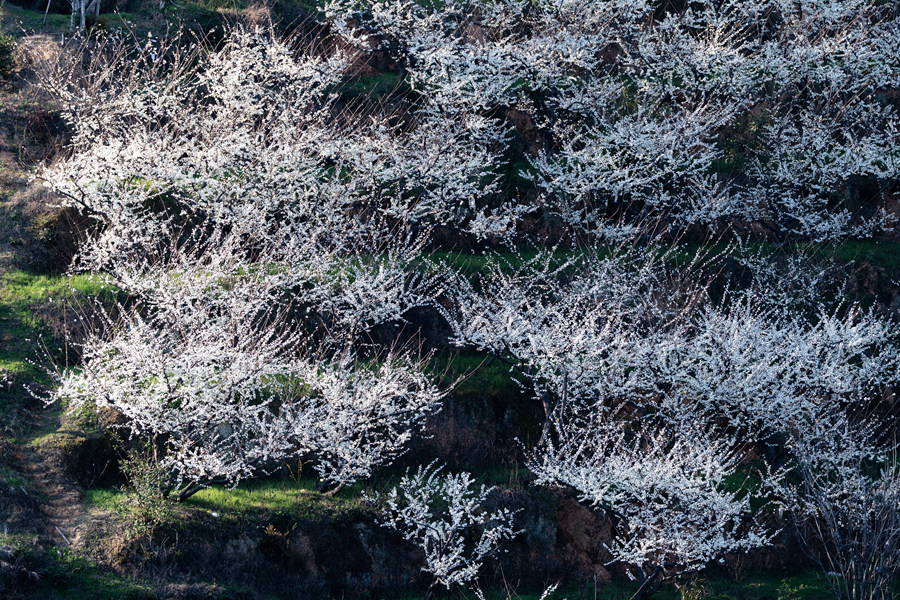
(580, 538)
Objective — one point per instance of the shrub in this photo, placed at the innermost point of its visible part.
(444, 516)
(146, 504)
(7, 47)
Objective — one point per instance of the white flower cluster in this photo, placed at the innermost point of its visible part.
(655, 395)
(210, 363)
(714, 111)
(266, 230)
(250, 138)
(445, 517)
(665, 492)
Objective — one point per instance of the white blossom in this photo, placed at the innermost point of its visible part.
(444, 515)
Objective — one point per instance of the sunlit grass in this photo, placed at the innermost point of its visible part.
(283, 495)
(23, 298)
(276, 495)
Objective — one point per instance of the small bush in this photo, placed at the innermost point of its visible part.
(7, 47)
(146, 502)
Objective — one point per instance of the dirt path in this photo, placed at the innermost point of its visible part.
(60, 502)
(20, 248)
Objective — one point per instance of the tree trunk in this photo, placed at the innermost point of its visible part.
(648, 587)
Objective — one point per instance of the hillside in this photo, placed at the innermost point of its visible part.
(271, 276)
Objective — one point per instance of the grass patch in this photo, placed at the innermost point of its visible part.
(381, 84)
(23, 297)
(74, 577)
(29, 287)
(259, 495)
(105, 498)
(807, 585)
(470, 264)
(64, 575)
(284, 499)
(13, 478)
(874, 252)
(283, 495)
(201, 15)
(877, 253)
(29, 305)
(16, 20)
(255, 500)
(478, 375)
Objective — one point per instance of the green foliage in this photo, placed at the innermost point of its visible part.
(262, 495)
(255, 501)
(12, 478)
(381, 84)
(283, 502)
(877, 253)
(84, 419)
(95, 24)
(793, 590)
(15, 18)
(695, 589)
(73, 577)
(146, 503)
(478, 375)
(29, 305)
(7, 47)
(806, 585)
(742, 141)
(64, 575)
